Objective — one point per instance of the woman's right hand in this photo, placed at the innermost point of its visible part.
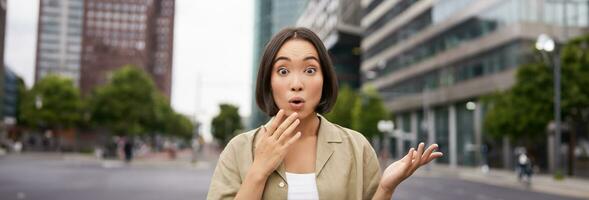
(274, 142)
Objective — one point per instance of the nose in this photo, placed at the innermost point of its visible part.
(296, 84)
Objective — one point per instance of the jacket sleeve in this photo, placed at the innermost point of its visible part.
(226, 181)
(371, 171)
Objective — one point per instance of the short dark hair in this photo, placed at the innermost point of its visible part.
(264, 97)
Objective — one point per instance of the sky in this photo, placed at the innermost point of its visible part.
(213, 46)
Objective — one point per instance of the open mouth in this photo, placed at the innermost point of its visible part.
(296, 103)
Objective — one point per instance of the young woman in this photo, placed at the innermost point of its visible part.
(298, 154)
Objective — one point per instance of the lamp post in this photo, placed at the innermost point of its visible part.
(38, 102)
(546, 45)
(387, 127)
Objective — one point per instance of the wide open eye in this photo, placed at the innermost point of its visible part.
(282, 71)
(311, 70)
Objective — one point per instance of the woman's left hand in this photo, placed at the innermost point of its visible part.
(402, 169)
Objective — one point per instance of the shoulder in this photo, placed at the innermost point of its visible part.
(346, 134)
(352, 134)
(240, 142)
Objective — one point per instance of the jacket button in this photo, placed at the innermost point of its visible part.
(281, 184)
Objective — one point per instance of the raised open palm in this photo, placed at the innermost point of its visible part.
(400, 170)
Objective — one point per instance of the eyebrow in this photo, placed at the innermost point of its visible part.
(288, 59)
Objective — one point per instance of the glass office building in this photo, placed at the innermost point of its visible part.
(433, 60)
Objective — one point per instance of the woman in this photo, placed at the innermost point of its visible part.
(299, 154)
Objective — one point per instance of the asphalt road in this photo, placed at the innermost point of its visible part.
(53, 178)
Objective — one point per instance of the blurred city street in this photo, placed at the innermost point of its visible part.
(135, 99)
(70, 176)
(54, 176)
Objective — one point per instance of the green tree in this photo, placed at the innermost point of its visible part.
(126, 105)
(525, 110)
(169, 122)
(367, 111)
(575, 84)
(53, 103)
(226, 124)
(341, 113)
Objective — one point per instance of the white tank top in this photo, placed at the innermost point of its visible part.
(301, 186)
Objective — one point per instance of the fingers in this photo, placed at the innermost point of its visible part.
(434, 156)
(263, 130)
(288, 132)
(293, 139)
(285, 125)
(416, 163)
(430, 155)
(428, 152)
(270, 128)
(409, 156)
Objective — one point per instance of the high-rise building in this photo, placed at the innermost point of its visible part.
(337, 23)
(10, 96)
(432, 61)
(127, 32)
(270, 17)
(59, 38)
(3, 8)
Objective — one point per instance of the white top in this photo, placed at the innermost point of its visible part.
(301, 186)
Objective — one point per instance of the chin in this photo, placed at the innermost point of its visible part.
(303, 113)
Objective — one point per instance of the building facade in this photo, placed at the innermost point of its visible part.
(59, 38)
(3, 8)
(337, 23)
(432, 60)
(127, 32)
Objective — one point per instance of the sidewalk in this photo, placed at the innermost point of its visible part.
(571, 187)
(151, 160)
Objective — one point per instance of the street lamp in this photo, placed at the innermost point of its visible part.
(38, 102)
(387, 127)
(471, 105)
(545, 44)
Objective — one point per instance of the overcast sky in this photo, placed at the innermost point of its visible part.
(212, 53)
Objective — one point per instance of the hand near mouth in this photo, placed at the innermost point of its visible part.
(275, 140)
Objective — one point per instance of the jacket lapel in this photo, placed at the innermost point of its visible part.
(327, 134)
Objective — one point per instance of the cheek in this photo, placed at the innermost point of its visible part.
(316, 89)
(278, 90)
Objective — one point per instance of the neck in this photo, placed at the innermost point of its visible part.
(309, 126)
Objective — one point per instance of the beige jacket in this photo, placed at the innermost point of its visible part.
(346, 166)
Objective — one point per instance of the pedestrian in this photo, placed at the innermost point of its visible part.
(298, 154)
(525, 167)
(128, 149)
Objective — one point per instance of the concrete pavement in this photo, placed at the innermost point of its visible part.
(545, 183)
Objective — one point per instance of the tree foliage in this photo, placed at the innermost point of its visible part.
(130, 104)
(525, 110)
(226, 124)
(368, 110)
(341, 113)
(53, 103)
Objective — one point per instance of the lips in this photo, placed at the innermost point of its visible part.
(296, 103)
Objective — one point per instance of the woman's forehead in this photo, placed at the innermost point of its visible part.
(297, 49)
